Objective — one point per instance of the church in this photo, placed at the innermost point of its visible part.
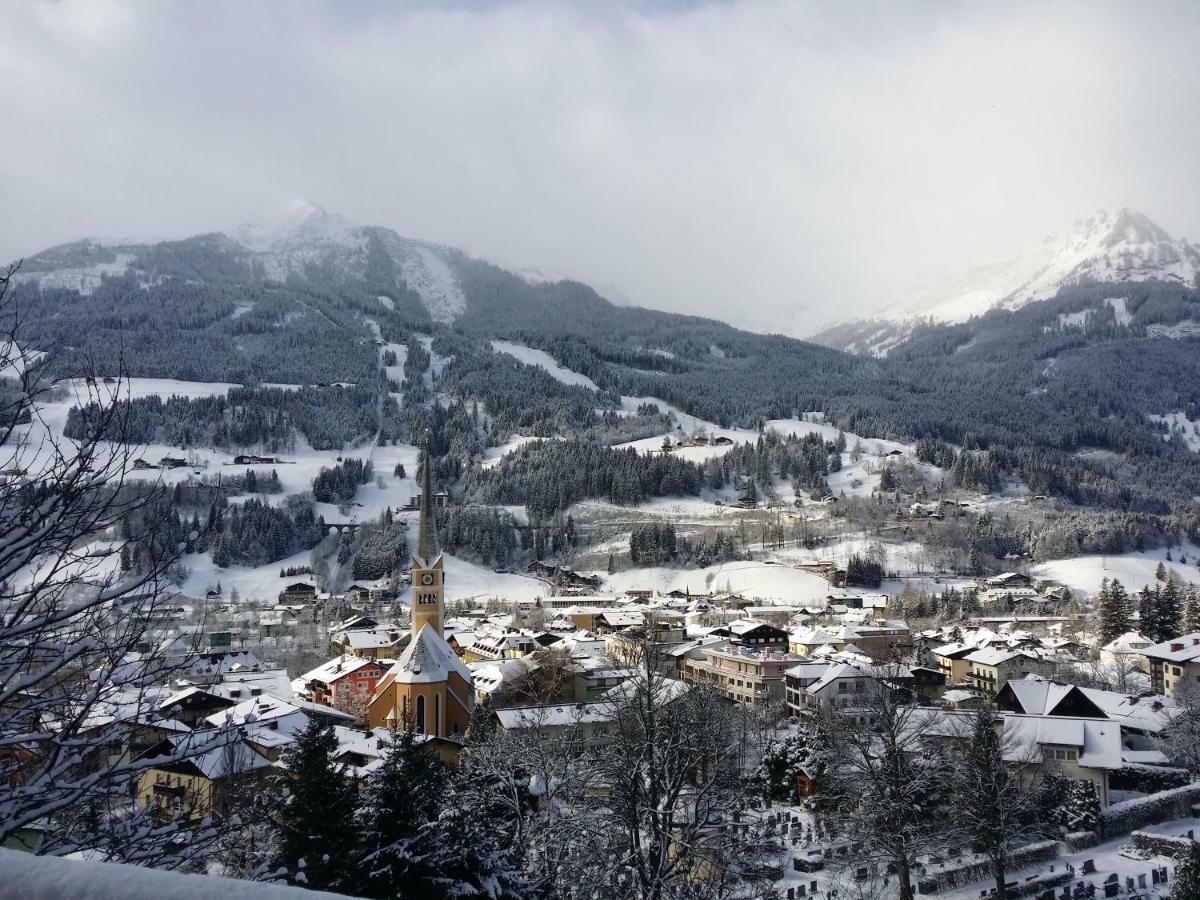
(428, 690)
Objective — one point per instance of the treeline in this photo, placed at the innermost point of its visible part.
(330, 417)
(1160, 612)
(487, 536)
(517, 397)
(652, 544)
(548, 476)
(186, 329)
(252, 533)
(339, 483)
(381, 549)
(805, 460)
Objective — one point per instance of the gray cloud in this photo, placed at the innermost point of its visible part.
(776, 164)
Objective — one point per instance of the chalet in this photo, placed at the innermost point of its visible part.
(370, 643)
(1008, 580)
(346, 682)
(750, 633)
(699, 440)
(200, 774)
(619, 619)
(172, 462)
(1174, 663)
(952, 661)
(744, 675)
(1140, 717)
(193, 704)
(141, 464)
(300, 592)
(639, 594)
(246, 459)
(1126, 650)
(723, 441)
(811, 685)
(992, 667)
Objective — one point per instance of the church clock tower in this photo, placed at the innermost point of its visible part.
(427, 571)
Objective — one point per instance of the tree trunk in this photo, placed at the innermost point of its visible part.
(905, 878)
(998, 868)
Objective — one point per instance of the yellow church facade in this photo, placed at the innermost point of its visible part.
(428, 690)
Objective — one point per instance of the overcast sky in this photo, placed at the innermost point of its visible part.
(774, 164)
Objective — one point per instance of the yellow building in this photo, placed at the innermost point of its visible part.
(429, 689)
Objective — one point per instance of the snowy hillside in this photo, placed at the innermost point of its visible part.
(1114, 245)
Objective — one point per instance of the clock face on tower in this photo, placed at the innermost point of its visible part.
(427, 578)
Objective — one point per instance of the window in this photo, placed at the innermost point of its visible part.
(421, 715)
(437, 714)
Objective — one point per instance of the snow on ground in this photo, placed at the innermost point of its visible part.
(84, 279)
(468, 581)
(1187, 328)
(386, 302)
(1188, 429)
(263, 583)
(56, 877)
(750, 579)
(1120, 310)
(1074, 320)
(544, 360)
(427, 273)
(684, 421)
(1107, 860)
(296, 468)
(1134, 570)
(493, 455)
(371, 499)
(395, 373)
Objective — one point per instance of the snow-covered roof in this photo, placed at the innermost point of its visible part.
(427, 659)
(370, 638)
(337, 668)
(994, 656)
(1179, 650)
(1129, 642)
(1098, 741)
(214, 754)
(556, 715)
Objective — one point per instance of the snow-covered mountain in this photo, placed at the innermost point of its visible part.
(293, 239)
(299, 234)
(1114, 245)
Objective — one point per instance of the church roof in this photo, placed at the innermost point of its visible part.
(427, 659)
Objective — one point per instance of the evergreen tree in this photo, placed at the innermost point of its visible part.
(1116, 612)
(1148, 622)
(1191, 607)
(315, 827)
(1160, 573)
(402, 797)
(1187, 877)
(1170, 611)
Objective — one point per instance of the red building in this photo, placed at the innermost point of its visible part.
(346, 682)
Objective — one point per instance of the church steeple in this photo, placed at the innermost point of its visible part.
(427, 572)
(426, 535)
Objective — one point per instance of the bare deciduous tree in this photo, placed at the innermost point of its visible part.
(884, 790)
(74, 693)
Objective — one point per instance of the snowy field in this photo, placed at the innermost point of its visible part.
(1179, 423)
(751, 579)
(1134, 570)
(544, 360)
(296, 468)
(493, 455)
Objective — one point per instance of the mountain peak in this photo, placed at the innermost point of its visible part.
(1115, 244)
(296, 221)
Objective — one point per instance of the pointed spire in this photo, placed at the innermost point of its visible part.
(426, 534)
